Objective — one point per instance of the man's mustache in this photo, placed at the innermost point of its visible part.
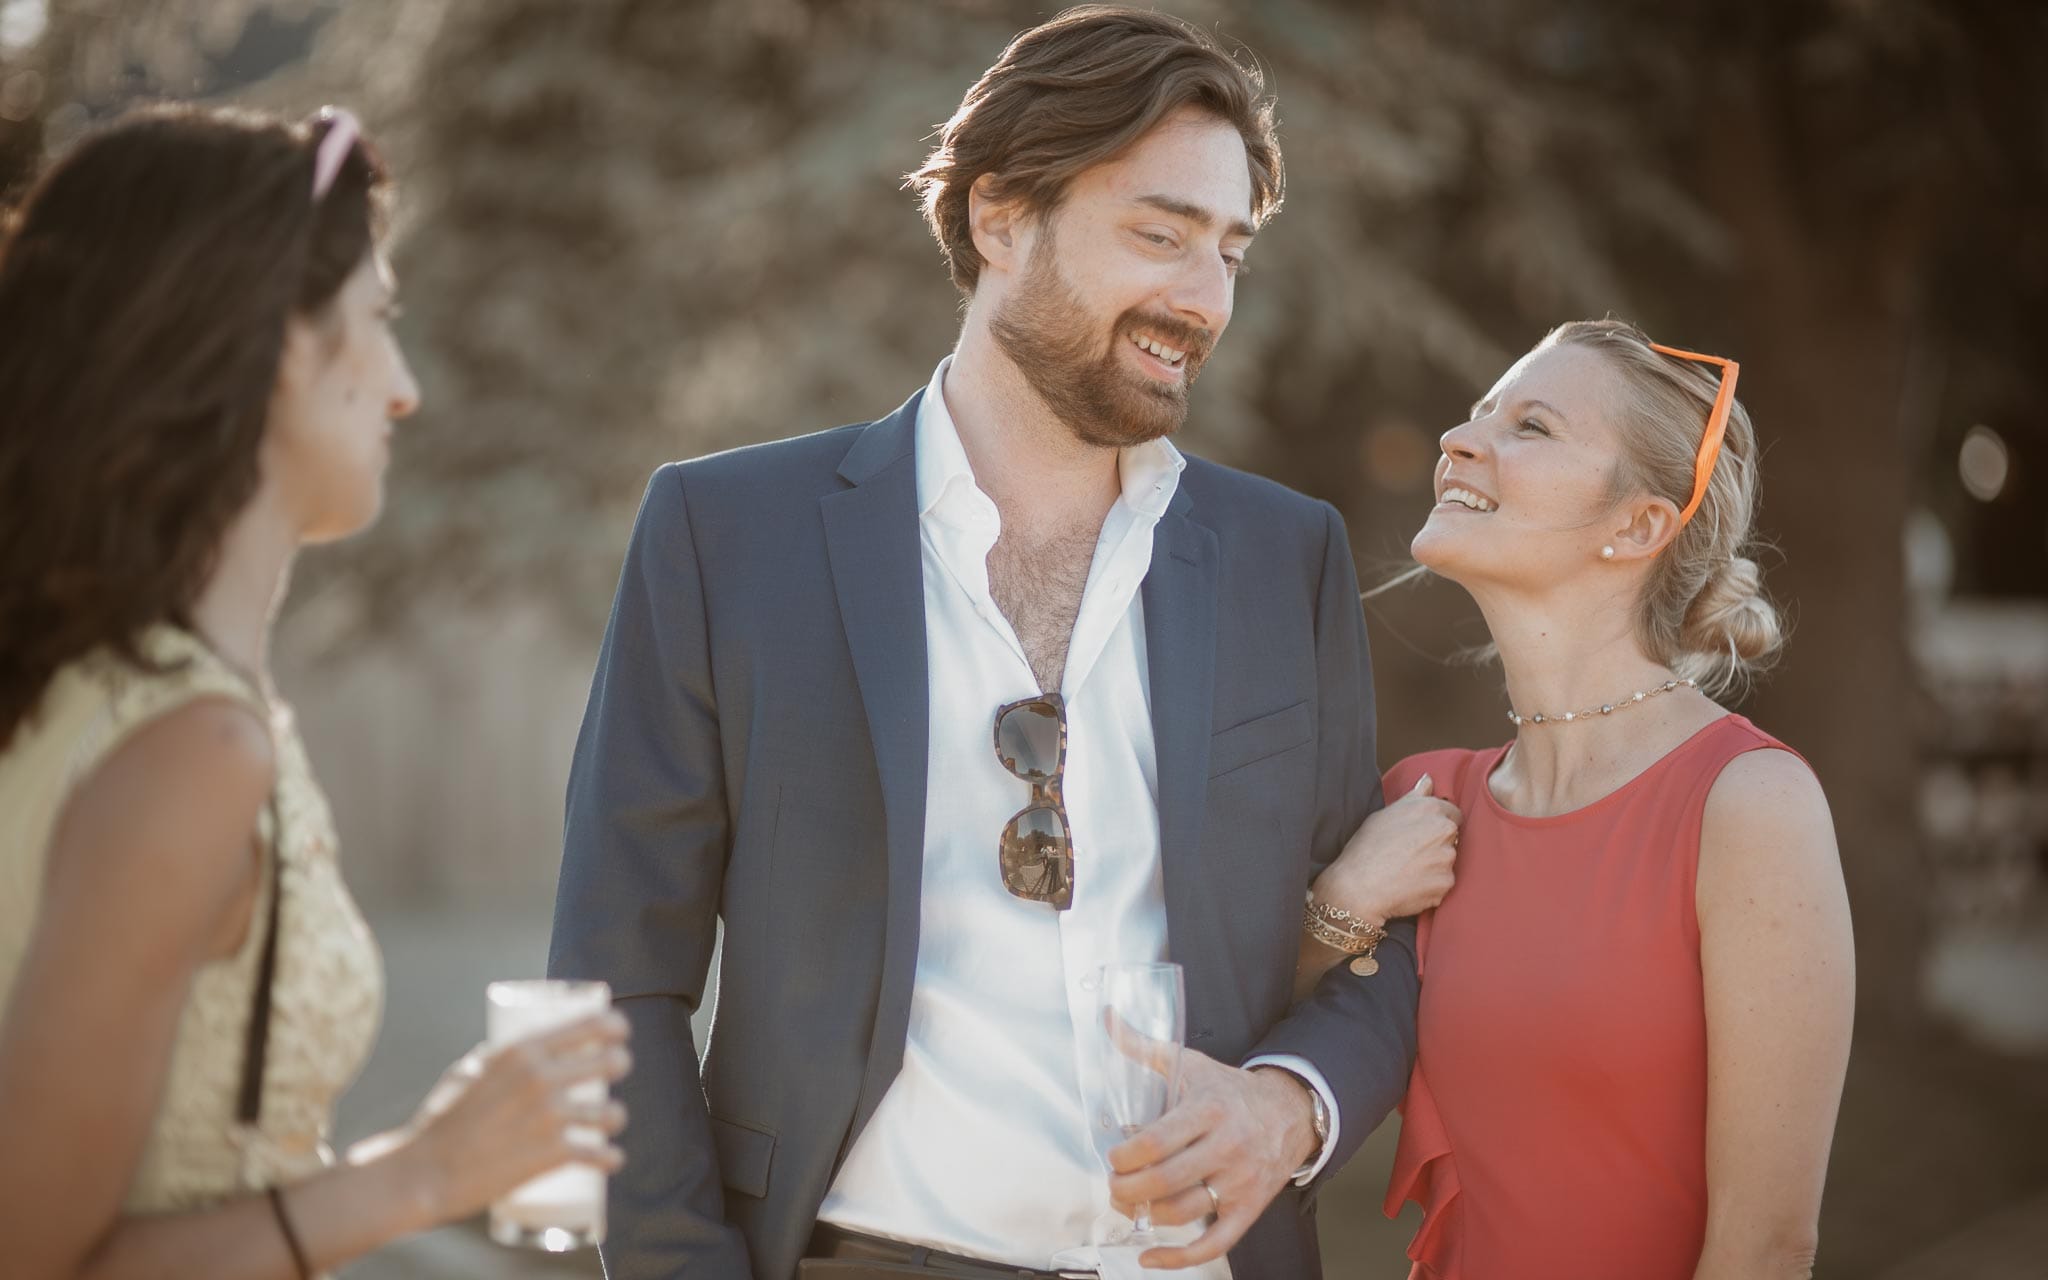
(1178, 334)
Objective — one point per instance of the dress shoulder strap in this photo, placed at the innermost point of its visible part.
(256, 1050)
(1721, 742)
(131, 697)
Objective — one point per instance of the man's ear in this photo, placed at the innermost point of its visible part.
(996, 225)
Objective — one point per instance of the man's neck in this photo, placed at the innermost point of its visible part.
(1024, 457)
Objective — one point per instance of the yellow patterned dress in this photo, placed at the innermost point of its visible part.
(327, 995)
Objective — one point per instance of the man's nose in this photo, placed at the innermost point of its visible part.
(1202, 295)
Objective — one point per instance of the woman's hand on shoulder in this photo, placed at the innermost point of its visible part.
(1401, 861)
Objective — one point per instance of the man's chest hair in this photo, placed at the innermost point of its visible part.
(1038, 585)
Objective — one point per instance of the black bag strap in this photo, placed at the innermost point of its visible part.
(250, 1107)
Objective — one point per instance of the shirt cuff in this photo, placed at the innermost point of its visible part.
(1302, 1067)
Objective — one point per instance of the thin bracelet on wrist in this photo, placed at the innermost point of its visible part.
(291, 1235)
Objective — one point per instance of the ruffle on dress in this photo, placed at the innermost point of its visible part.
(1426, 1172)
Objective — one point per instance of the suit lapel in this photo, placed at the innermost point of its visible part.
(872, 538)
(1180, 644)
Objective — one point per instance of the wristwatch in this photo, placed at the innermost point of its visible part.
(1319, 1120)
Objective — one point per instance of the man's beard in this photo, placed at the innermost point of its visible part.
(1051, 338)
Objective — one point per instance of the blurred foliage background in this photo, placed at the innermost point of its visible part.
(634, 230)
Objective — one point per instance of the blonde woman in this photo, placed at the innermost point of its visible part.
(1636, 1000)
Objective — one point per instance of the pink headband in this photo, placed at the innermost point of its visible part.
(342, 132)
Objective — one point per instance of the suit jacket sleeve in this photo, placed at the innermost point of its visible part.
(1358, 1032)
(644, 851)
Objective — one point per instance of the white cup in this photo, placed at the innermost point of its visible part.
(562, 1209)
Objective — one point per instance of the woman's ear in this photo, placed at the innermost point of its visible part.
(304, 351)
(1650, 526)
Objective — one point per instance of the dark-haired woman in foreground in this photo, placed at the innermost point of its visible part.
(1636, 1000)
(197, 376)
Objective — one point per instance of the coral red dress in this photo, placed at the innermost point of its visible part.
(1555, 1125)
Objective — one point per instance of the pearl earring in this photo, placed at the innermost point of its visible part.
(1607, 553)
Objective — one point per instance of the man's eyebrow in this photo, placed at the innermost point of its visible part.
(1196, 214)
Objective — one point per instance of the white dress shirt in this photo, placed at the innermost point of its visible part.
(991, 1141)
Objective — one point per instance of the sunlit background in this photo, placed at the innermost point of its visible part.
(635, 230)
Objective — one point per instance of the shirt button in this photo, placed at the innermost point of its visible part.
(1102, 1118)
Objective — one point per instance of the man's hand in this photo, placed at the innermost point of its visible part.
(1244, 1133)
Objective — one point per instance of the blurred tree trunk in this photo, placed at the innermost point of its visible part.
(1827, 320)
(1826, 309)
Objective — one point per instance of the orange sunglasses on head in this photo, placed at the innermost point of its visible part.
(1717, 425)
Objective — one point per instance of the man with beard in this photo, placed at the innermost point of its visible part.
(939, 713)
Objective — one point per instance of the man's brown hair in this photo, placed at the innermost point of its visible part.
(1075, 92)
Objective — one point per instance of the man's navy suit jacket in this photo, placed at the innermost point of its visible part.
(754, 753)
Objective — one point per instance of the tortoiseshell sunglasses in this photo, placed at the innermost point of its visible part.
(1037, 849)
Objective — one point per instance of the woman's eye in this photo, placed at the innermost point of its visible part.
(1530, 424)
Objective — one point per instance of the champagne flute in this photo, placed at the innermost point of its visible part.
(1144, 1018)
(563, 1208)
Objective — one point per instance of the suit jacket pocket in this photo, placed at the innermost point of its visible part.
(744, 1154)
(1256, 739)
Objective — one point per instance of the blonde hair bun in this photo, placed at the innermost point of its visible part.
(1732, 616)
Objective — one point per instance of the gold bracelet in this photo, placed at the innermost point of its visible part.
(1327, 923)
(1338, 929)
(1341, 918)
